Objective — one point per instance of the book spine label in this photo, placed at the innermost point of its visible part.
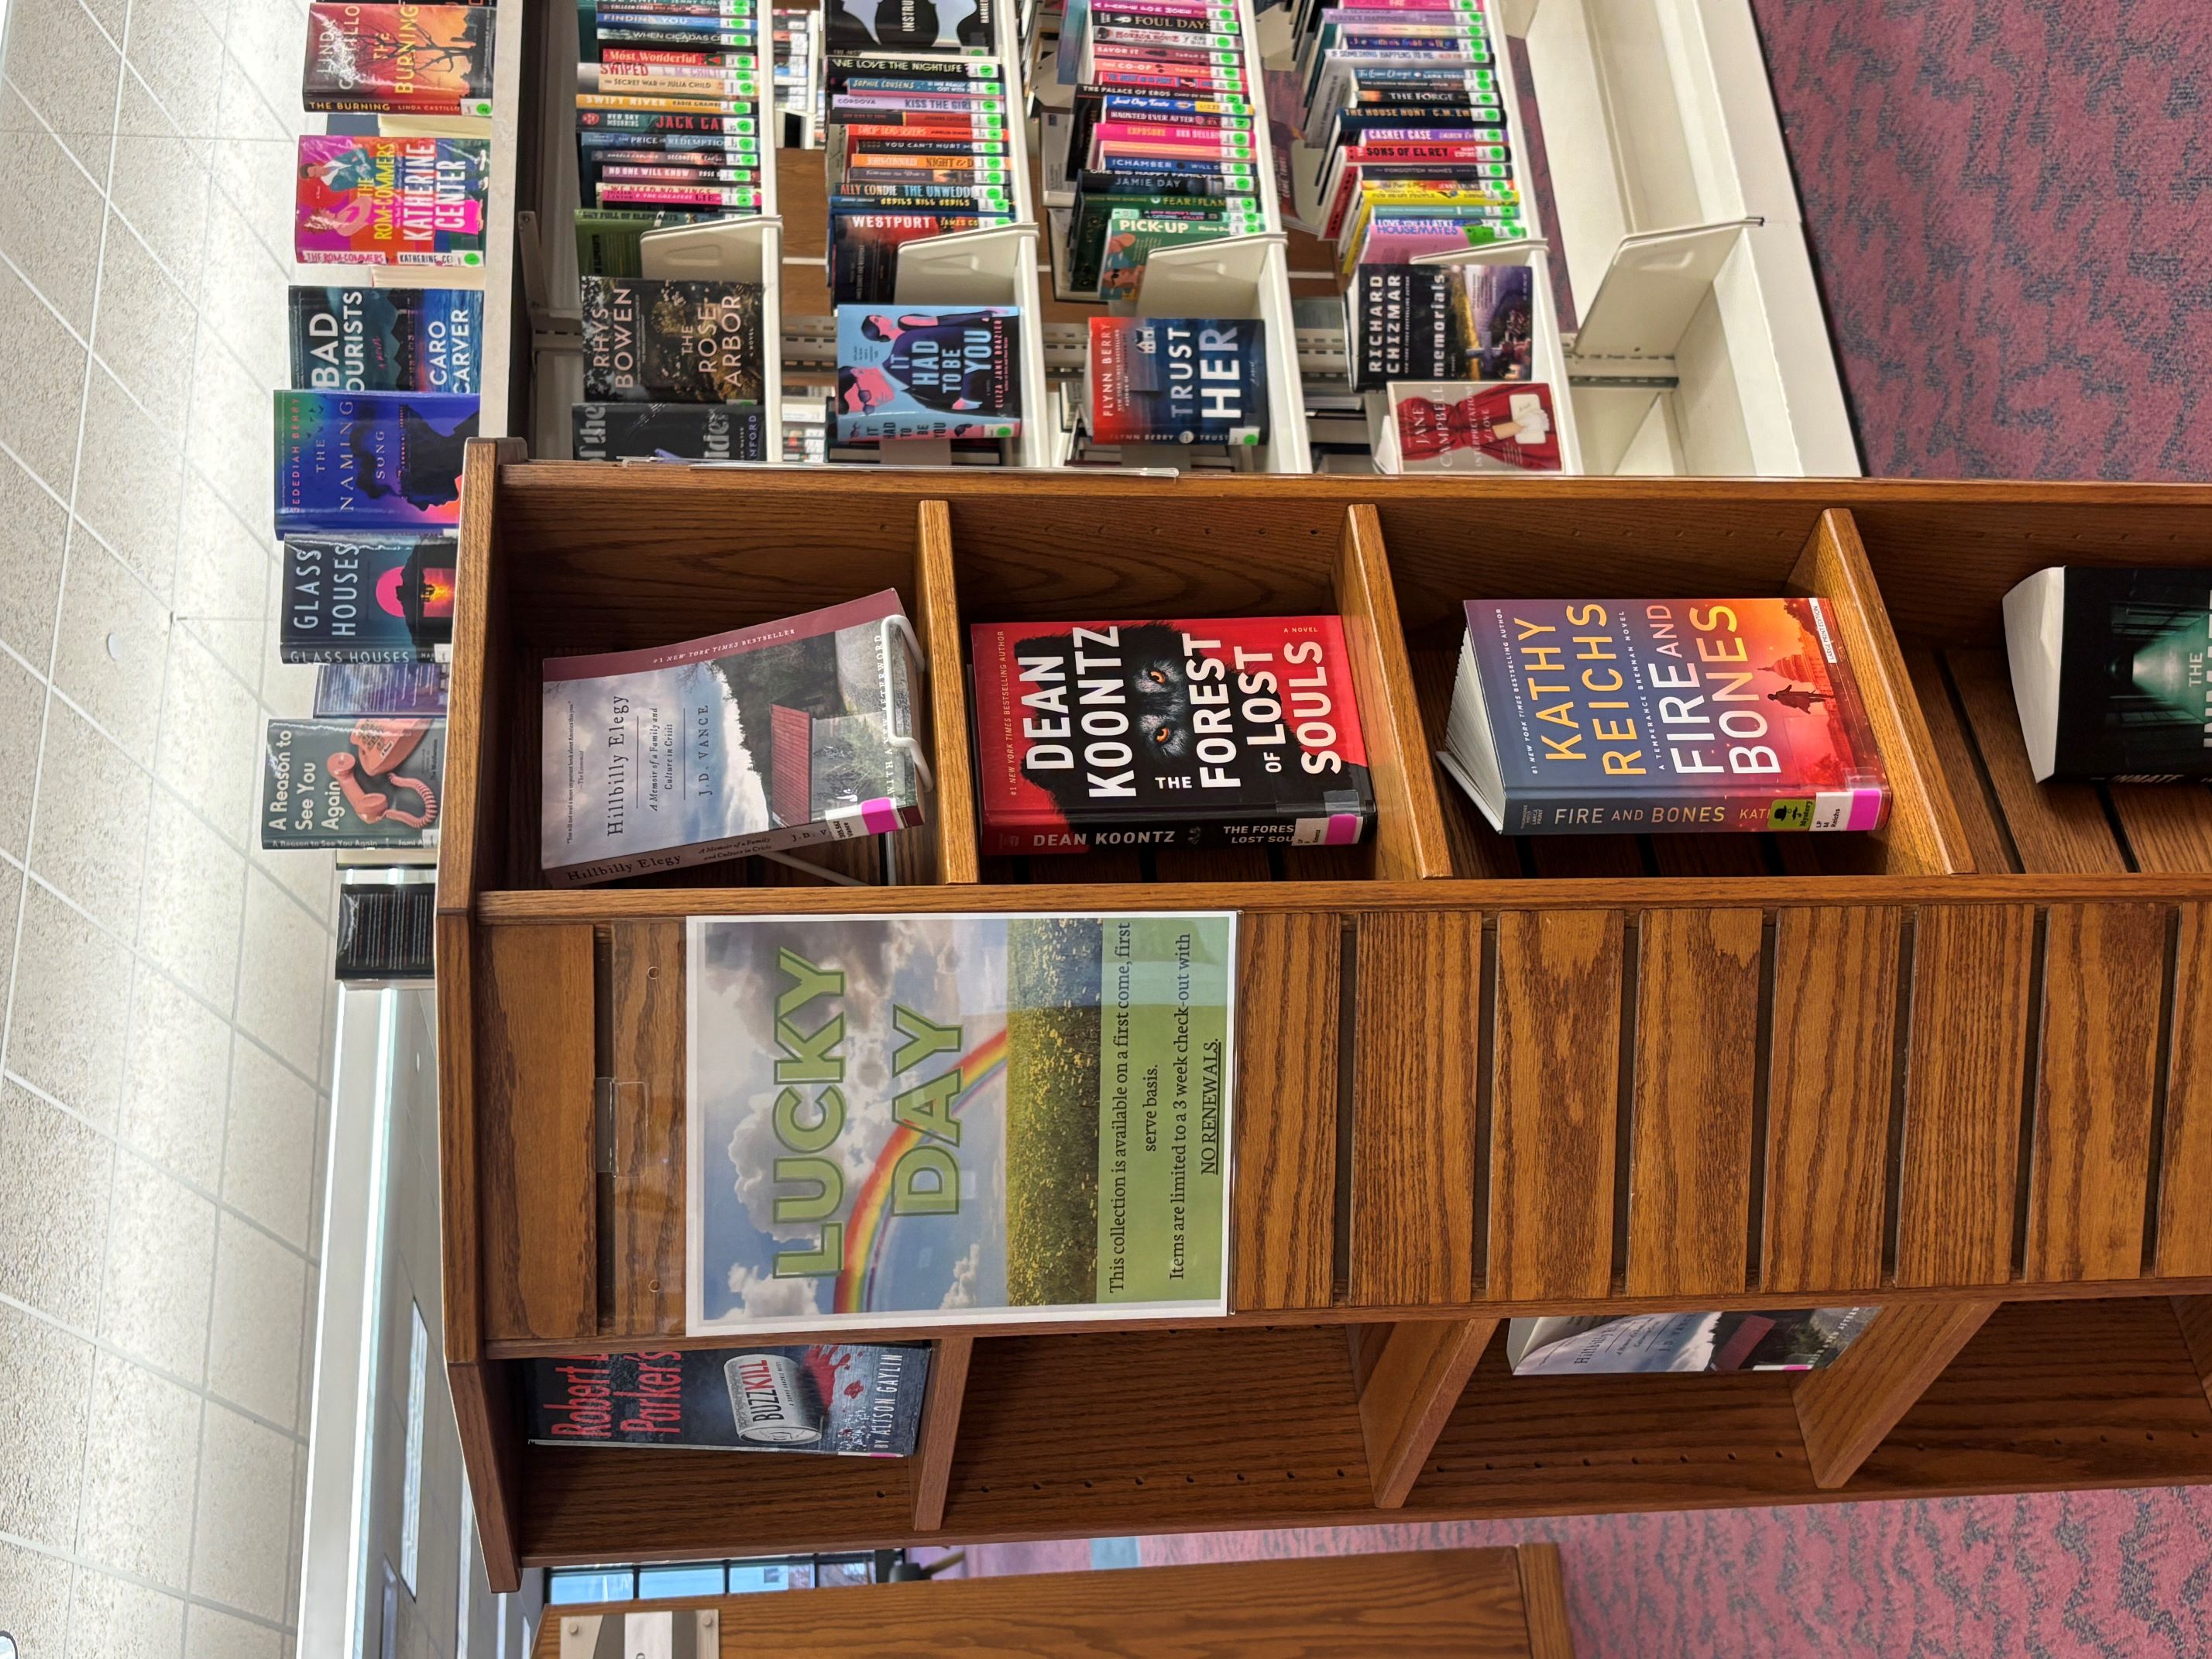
(1622, 812)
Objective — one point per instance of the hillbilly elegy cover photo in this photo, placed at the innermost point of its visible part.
(929, 1121)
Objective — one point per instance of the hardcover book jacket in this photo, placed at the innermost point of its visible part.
(846, 1399)
(352, 783)
(426, 60)
(2135, 699)
(1178, 380)
(1673, 714)
(1237, 732)
(364, 201)
(928, 371)
(370, 460)
(676, 431)
(367, 598)
(386, 339)
(668, 342)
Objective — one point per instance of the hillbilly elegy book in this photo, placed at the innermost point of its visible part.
(766, 737)
(851, 1399)
(930, 1121)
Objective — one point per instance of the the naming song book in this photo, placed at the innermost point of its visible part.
(1241, 731)
(1610, 716)
(2109, 672)
(846, 1399)
(756, 740)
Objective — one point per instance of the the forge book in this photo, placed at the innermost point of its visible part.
(846, 1399)
(1237, 732)
(668, 432)
(1177, 380)
(925, 25)
(362, 783)
(414, 60)
(386, 339)
(363, 201)
(671, 343)
(370, 460)
(771, 737)
(2109, 670)
(956, 1120)
(367, 598)
(1604, 716)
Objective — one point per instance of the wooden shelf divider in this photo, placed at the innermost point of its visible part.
(1846, 1409)
(1419, 1369)
(940, 1428)
(936, 590)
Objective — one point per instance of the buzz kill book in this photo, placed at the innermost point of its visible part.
(1240, 732)
(764, 738)
(1604, 716)
(842, 1399)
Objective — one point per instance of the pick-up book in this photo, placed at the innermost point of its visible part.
(752, 741)
(2111, 670)
(1241, 731)
(672, 341)
(406, 59)
(1599, 716)
(847, 1399)
(368, 598)
(357, 783)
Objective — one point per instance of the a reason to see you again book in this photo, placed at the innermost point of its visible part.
(933, 1120)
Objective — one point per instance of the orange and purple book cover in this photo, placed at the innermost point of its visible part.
(418, 60)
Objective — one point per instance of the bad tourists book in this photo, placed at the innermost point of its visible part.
(1242, 731)
(386, 339)
(948, 1119)
(413, 60)
(363, 201)
(367, 598)
(370, 460)
(842, 1399)
(1600, 716)
(753, 741)
(352, 783)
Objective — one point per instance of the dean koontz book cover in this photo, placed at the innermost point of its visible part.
(1178, 380)
(367, 598)
(676, 343)
(670, 432)
(363, 201)
(386, 339)
(762, 738)
(956, 1120)
(845, 1398)
(419, 60)
(928, 371)
(1242, 731)
(352, 783)
(370, 460)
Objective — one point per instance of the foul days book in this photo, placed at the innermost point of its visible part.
(352, 783)
(2109, 672)
(928, 371)
(1177, 380)
(417, 60)
(1241, 731)
(946, 1120)
(849, 1399)
(367, 598)
(386, 339)
(364, 201)
(370, 460)
(1597, 716)
(672, 341)
(766, 737)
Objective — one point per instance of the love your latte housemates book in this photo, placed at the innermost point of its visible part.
(1596, 1344)
(2110, 672)
(673, 342)
(847, 1399)
(370, 782)
(1177, 380)
(764, 738)
(415, 60)
(367, 598)
(370, 460)
(386, 339)
(1598, 716)
(928, 1121)
(1237, 732)
(928, 371)
(363, 201)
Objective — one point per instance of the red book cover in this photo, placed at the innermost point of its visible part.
(1239, 732)
(426, 60)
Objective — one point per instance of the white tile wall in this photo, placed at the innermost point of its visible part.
(164, 987)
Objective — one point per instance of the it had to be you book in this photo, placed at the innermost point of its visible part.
(924, 1121)
(776, 736)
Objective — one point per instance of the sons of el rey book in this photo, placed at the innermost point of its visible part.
(928, 371)
(370, 460)
(752, 741)
(367, 598)
(1604, 716)
(386, 339)
(358, 783)
(406, 59)
(930, 1121)
(364, 201)
(846, 1399)
(1242, 731)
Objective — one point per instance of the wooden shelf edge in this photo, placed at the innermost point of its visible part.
(1408, 1395)
(940, 1429)
(1544, 1601)
(1844, 1409)
(2195, 1315)
(953, 801)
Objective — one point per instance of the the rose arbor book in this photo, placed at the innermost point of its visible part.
(363, 201)
(766, 737)
(1241, 731)
(406, 59)
(1597, 1344)
(848, 1399)
(947, 1119)
(679, 342)
(1602, 717)
(2110, 672)
(352, 783)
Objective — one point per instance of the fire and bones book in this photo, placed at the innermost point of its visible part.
(848, 1399)
(1242, 731)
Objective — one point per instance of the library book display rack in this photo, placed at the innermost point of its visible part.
(1961, 1069)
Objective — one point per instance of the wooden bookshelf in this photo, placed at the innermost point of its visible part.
(1954, 1069)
